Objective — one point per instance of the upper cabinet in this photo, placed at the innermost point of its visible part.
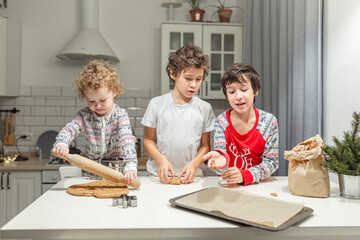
(10, 43)
(223, 43)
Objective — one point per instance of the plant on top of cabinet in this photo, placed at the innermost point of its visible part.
(4, 4)
(223, 11)
(196, 13)
(344, 159)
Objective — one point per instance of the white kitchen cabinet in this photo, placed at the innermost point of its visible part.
(17, 190)
(10, 45)
(48, 179)
(222, 42)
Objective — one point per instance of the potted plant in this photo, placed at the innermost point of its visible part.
(224, 12)
(196, 13)
(4, 4)
(344, 159)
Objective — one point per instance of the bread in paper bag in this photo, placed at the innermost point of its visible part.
(306, 175)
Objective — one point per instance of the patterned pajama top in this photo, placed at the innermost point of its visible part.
(108, 137)
(255, 153)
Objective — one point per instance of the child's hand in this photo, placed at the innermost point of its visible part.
(190, 173)
(216, 160)
(163, 168)
(130, 176)
(62, 151)
(233, 175)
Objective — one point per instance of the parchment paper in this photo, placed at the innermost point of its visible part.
(267, 211)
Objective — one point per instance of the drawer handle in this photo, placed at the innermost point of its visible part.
(2, 180)
(8, 180)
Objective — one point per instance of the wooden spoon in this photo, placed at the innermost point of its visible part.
(11, 138)
(5, 140)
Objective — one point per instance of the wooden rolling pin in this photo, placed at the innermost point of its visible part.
(97, 169)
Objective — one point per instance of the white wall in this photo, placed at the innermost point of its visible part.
(131, 27)
(341, 66)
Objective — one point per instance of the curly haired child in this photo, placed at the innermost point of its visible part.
(178, 124)
(245, 138)
(106, 126)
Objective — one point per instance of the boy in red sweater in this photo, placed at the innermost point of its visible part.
(245, 138)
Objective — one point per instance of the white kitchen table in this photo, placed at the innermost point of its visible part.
(57, 214)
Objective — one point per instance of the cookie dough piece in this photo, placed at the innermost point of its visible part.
(99, 189)
(175, 181)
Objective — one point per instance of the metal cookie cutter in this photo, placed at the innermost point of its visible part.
(117, 201)
(133, 201)
(125, 201)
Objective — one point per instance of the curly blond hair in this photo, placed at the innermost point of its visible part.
(96, 74)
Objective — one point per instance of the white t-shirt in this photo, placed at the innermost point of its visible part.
(178, 129)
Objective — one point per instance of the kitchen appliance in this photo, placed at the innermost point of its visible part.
(88, 43)
(45, 143)
(58, 161)
(48, 179)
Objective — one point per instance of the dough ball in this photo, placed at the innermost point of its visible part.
(175, 181)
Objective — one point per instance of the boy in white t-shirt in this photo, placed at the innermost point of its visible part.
(178, 124)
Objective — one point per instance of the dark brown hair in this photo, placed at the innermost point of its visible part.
(236, 73)
(188, 56)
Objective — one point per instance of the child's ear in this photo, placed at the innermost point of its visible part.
(172, 74)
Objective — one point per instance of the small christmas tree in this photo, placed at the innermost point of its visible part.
(344, 157)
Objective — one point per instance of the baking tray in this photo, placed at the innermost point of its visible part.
(304, 213)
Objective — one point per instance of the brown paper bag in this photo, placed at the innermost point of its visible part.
(306, 175)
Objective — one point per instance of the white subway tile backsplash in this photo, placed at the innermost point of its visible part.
(37, 131)
(68, 92)
(61, 102)
(45, 91)
(46, 111)
(81, 103)
(55, 121)
(19, 130)
(23, 110)
(134, 93)
(142, 102)
(31, 101)
(31, 120)
(125, 102)
(131, 112)
(69, 111)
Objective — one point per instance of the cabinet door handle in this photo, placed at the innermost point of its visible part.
(206, 88)
(8, 180)
(2, 180)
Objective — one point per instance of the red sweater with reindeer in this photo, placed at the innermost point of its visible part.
(255, 153)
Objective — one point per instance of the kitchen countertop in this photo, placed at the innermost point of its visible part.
(34, 163)
(91, 218)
